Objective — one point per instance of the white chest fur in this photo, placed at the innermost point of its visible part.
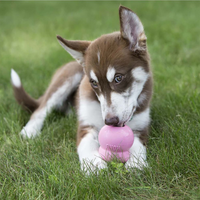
(89, 113)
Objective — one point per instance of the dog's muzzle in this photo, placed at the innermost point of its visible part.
(113, 121)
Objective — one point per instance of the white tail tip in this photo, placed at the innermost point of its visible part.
(15, 78)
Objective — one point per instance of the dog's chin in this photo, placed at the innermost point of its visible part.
(121, 124)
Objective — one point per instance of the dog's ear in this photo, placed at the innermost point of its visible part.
(75, 48)
(132, 29)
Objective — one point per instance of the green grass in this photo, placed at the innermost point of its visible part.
(47, 167)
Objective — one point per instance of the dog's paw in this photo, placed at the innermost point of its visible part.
(92, 165)
(29, 132)
(133, 163)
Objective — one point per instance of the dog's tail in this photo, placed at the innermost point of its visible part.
(26, 101)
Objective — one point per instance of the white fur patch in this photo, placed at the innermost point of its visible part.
(140, 121)
(34, 126)
(75, 54)
(89, 113)
(104, 106)
(93, 76)
(88, 151)
(15, 78)
(98, 57)
(110, 73)
(139, 74)
(138, 155)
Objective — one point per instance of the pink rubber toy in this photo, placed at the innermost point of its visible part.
(115, 142)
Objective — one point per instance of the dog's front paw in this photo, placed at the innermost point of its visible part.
(93, 164)
(29, 132)
(134, 163)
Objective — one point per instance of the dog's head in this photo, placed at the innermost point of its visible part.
(117, 66)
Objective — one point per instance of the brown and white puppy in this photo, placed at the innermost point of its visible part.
(112, 84)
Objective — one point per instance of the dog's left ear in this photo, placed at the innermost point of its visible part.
(75, 48)
(132, 29)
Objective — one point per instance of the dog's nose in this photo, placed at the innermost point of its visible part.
(112, 121)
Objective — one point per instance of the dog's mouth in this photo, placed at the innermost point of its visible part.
(131, 115)
(122, 124)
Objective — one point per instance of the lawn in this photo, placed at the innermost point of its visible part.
(47, 167)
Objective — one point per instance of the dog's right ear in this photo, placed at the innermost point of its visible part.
(75, 48)
(131, 29)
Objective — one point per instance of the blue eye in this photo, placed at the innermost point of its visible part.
(118, 78)
(93, 83)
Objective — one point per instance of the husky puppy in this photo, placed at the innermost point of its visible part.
(111, 83)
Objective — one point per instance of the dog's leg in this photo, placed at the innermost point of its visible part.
(63, 84)
(56, 100)
(140, 126)
(138, 155)
(90, 122)
(88, 147)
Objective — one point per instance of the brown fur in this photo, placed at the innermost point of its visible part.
(23, 99)
(82, 132)
(85, 90)
(61, 75)
(115, 50)
(58, 79)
